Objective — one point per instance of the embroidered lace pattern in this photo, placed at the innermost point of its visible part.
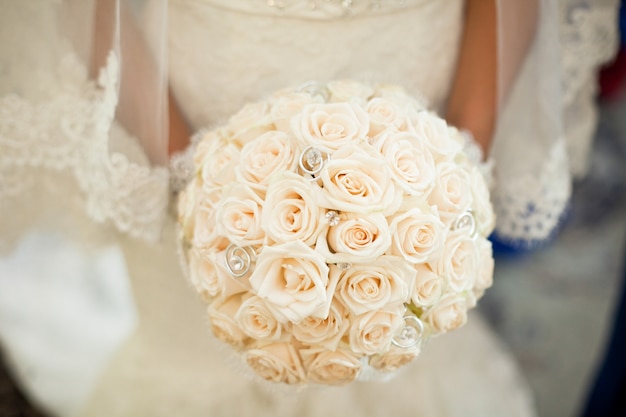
(589, 39)
(67, 150)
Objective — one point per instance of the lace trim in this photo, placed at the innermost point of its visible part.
(589, 39)
(529, 208)
(69, 132)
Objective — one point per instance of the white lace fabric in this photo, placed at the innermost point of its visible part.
(60, 147)
(589, 39)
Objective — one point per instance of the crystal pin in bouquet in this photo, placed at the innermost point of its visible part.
(333, 229)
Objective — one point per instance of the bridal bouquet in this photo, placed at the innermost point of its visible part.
(332, 229)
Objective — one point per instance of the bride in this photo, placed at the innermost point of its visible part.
(84, 147)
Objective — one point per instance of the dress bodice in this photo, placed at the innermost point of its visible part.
(245, 49)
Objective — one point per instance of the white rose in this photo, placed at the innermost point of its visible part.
(337, 367)
(417, 235)
(221, 317)
(211, 142)
(325, 332)
(290, 210)
(286, 104)
(452, 194)
(411, 162)
(229, 284)
(271, 153)
(293, 280)
(277, 362)
(371, 333)
(434, 131)
(385, 113)
(330, 126)
(448, 314)
(358, 238)
(349, 90)
(459, 261)
(358, 180)
(394, 359)
(364, 288)
(250, 122)
(257, 321)
(205, 235)
(203, 274)
(412, 102)
(483, 210)
(484, 278)
(471, 297)
(219, 167)
(238, 217)
(428, 287)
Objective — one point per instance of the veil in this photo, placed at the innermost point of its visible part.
(83, 113)
(83, 122)
(547, 111)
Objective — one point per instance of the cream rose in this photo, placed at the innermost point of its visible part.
(349, 90)
(210, 142)
(368, 287)
(293, 280)
(394, 359)
(452, 194)
(428, 287)
(325, 332)
(203, 274)
(229, 284)
(238, 217)
(205, 235)
(484, 278)
(433, 130)
(411, 163)
(371, 333)
(459, 261)
(385, 114)
(359, 238)
(413, 102)
(271, 153)
(286, 104)
(290, 211)
(330, 126)
(250, 122)
(448, 314)
(417, 235)
(257, 321)
(219, 167)
(222, 321)
(277, 362)
(337, 367)
(358, 180)
(483, 210)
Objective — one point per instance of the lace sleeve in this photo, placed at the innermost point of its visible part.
(63, 154)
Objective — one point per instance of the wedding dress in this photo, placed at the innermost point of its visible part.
(222, 54)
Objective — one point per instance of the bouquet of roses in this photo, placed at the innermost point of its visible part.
(332, 229)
